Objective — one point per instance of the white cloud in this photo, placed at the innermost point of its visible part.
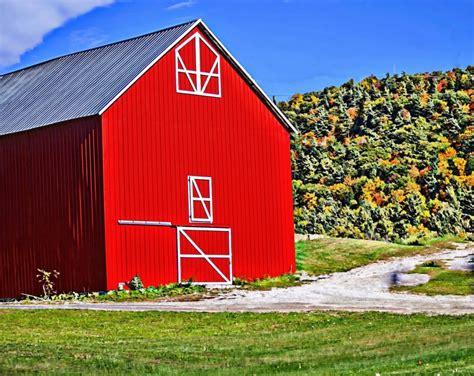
(182, 4)
(24, 23)
(87, 38)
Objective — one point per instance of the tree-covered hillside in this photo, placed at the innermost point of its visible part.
(389, 158)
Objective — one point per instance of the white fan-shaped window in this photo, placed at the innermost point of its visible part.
(198, 69)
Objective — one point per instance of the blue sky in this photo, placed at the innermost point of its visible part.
(288, 46)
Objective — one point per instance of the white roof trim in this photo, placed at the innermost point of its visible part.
(258, 89)
(279, 114)
(170, 47)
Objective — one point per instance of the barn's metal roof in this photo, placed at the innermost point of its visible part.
(86, 83)
(80, 84)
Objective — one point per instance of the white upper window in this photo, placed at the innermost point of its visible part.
(198, 68)
(200, 199)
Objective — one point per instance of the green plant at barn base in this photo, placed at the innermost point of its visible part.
(183, 291)
(282, 281)
(47, 283)
(385, 159)
(135, 283)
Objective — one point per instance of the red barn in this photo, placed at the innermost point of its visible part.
(157, 155)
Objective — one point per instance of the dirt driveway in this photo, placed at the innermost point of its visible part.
(361, 289)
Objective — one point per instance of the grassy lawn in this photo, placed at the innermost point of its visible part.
(442, 281)
(233, 343)
(285, 280)
(328, 255)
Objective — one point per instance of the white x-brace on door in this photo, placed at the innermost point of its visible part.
(204, 254)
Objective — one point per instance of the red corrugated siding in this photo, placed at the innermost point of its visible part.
(51, 208)
(154, 138)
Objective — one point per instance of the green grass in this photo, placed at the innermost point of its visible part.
(328, 255)
(285, 280)
(441, 242)
(94, 342)
(442, 281)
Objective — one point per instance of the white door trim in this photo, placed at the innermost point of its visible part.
(182, 231)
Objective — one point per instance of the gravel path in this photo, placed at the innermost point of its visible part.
(362, 289)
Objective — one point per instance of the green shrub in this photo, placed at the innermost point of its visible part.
(135, 283)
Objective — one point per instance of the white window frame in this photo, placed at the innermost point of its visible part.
(214, 72)
(192, 181)
(183, 231)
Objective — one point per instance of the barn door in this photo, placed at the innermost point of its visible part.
(204, 254)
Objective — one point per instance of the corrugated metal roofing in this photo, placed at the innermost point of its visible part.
(79, 84)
